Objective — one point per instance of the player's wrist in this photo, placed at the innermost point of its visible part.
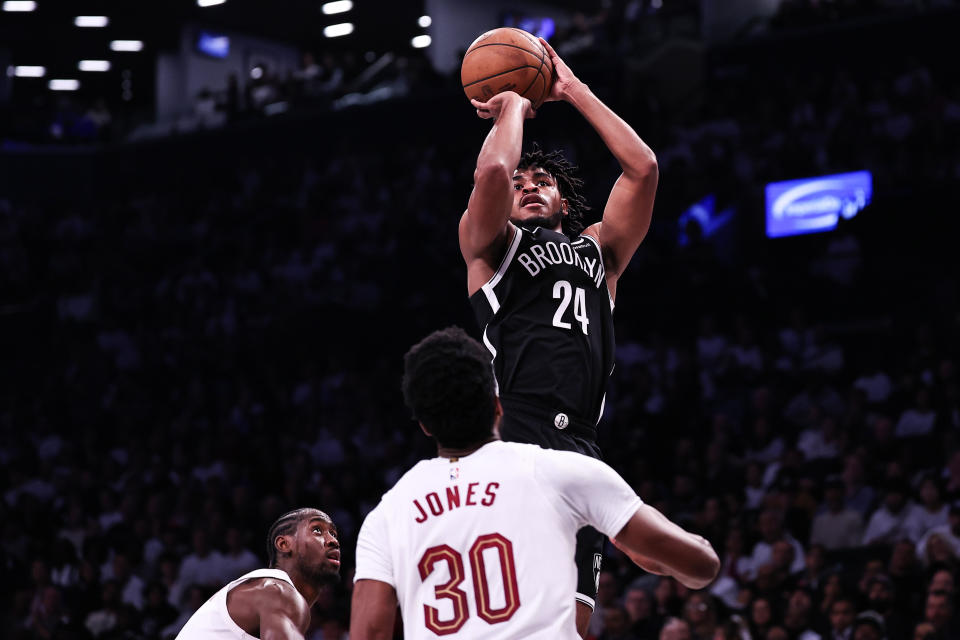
(574, 90)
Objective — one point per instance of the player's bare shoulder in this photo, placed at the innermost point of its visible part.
(482, 260)
(249, 601)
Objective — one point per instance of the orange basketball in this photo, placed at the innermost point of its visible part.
(507, 59)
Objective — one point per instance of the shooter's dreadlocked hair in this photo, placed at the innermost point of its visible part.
(567, 181)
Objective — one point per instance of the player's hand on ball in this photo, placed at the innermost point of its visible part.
(491, 108)
(563, 78)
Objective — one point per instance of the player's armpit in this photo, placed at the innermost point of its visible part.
(283, 613)
(649, 538)
(373, 610)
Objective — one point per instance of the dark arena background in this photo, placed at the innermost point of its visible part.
(222, 225)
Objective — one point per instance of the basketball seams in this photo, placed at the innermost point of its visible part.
(527, 36)
(501, 73)
(536, 55)
(536, 104)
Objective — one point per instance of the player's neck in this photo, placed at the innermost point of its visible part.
(309, 590)
(461, 452)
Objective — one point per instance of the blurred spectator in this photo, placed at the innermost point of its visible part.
(869, 625)
(918, 420)
(616, 624)
(931, 512)
(888, 524)
(638, 603)
(837, 527)
(939, 612)
(676, 629)
(237, 560)
(842, 615)
(770, 526)
(104, 620)
(205, 566)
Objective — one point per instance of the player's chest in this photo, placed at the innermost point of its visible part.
(542, 264)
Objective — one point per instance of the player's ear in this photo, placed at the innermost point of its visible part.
(497, 416)
(564, 207)
(283, 544)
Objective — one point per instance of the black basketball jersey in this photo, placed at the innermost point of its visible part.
(547, 318)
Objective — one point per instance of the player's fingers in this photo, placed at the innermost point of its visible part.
(546, 45)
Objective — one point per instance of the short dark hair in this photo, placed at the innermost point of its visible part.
(449, 386)
(554, 163)
(285, 525)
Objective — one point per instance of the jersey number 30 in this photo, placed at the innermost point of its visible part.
(451, 590)
(563, 291)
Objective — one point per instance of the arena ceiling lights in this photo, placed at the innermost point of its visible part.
(340, 6)
(64, 84)
(337, 30)
(95, 22)
(209, 3)
(94, 65)
(19, 5)
(29, 71)
(126, 45)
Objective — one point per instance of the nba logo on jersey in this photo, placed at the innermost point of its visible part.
(597, 561)
(454, 473)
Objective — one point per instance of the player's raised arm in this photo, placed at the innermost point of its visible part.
(626, 216)
(283, 613)
(662, 547)
(372, 610)
(484, 228)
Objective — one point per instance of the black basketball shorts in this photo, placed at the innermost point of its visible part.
(554, 430)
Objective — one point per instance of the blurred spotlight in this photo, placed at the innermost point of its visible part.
(19, 5)
(126, 45)
(420, 42)
(28, 71)
(209, 3)
(424, 21)
(94, 65)
(256, 72)
(337, 30)
(340, 6)
(62, 84)
(91, 21)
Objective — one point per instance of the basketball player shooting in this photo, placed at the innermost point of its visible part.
(274, 603)
(478, 542)
(543, 287)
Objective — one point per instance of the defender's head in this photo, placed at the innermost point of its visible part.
(546, 193)
(449, 386)
(306, 540)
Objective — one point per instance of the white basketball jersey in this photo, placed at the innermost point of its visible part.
(483, 546)
(212, 621)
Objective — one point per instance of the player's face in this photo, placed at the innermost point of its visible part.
(536, 199)
(318, 546)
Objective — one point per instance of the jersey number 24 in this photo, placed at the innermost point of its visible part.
(563, 291)
(451, 590)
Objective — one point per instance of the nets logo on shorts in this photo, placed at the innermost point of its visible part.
(561, 421)
(597, 561)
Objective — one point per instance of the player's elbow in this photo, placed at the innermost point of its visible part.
(644, 168)
(492, 173)
(704, 568)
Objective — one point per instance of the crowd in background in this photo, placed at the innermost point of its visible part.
(194, 353)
